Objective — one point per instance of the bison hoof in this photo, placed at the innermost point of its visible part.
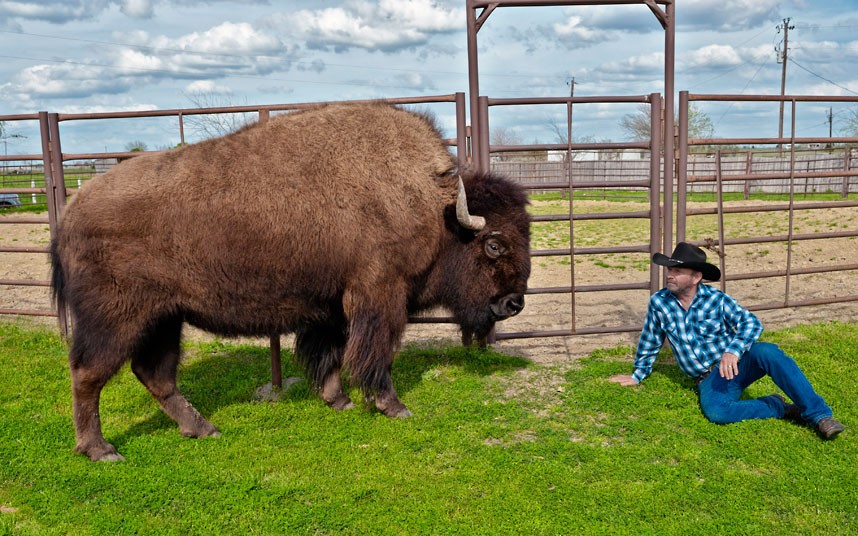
(340, 403)
(397, 412)
(102, 453)
(206, 429)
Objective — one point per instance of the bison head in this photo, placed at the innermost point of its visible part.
(486, 259)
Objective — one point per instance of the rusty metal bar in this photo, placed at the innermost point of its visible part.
(23, 249)
(669, 156)
(721, 249)
(590, 185)
(654, 194)
(791, 212)
(589, 288)
(24, 283)
(572, 301)
(776, 208)
(682, 168)
(591, 216)
(18, 220)
(795, 271)
(645, 248)
(771, 176)
(483, 140)
(28, 312)
(781, 238)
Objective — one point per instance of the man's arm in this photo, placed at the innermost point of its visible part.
(748, 329)
(649, 345)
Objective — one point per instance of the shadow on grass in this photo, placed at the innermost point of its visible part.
(218, 375)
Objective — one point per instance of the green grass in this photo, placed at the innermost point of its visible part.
(496, 446)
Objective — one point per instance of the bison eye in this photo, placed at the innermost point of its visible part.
(494, 248)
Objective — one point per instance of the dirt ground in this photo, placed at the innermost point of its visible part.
(593, 309)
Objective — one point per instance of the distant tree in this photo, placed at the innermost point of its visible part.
(135, 146)
(504, 136)
(850, 123)
(637, 125)
(206, 126)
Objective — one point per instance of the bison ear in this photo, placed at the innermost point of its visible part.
(466, 220)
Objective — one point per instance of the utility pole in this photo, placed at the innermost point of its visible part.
(782, 57)
(830, 124)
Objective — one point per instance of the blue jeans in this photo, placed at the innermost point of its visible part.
(719, 398)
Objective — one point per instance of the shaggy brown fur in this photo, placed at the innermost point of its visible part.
(332, 223)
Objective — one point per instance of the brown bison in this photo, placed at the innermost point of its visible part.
(332, 223)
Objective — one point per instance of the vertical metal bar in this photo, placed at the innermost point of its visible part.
(572, 295)
(483, 138)
(654, 181)
(719, 185)
(682, 168)
(791, 204)
(59, 186)
(273, 338)
(749, 165)
(462, 157)
(276, 365)
(847, 155)
(484, 162)
(48, 155)
(473, 78)
(181, 129)
(669, 157)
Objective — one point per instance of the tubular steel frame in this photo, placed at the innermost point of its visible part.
(474, 149)
(683, 212)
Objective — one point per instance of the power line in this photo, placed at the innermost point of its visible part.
(802, 67)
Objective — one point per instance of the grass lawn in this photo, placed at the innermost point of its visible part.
(496, 446)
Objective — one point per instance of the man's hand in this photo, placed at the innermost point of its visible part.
(623, 379)
(729, 366)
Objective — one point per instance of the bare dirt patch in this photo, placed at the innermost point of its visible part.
(594, 309)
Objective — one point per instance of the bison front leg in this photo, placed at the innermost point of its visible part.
(375, 330)
(320, 350)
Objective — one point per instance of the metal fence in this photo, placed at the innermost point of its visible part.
(801, 171)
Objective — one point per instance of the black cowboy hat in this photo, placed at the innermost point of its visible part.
(687, 256)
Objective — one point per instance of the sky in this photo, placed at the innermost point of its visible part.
(73, 56)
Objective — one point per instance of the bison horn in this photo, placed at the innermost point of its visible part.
(474, 223)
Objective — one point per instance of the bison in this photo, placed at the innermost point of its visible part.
(333, 223)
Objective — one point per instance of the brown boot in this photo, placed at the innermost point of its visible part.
(791, 411)
(828, 428)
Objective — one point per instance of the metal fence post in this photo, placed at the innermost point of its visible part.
(52, 162)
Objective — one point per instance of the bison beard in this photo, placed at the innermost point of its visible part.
(332, 223)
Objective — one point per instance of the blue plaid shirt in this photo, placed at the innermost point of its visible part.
(713, 325)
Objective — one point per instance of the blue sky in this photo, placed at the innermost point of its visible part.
(109, 55)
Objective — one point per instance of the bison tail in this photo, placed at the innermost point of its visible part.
(58, 278)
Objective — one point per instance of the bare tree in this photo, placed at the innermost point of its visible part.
(504, 136)
(850, 122)
(214, 125)
(135, 146)
(637, 125)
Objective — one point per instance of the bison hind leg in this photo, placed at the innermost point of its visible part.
(319, 349)
(154, 362)
(95, 357)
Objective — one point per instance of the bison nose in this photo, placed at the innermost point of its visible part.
(509, 305)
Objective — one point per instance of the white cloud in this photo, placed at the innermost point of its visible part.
(714, 56)
(207, 86)
(64, 80)
(57, 11)
(573, 30)
(727, 15)
(389, 25)
(138, 9)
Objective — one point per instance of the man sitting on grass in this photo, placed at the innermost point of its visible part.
(707, 329)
